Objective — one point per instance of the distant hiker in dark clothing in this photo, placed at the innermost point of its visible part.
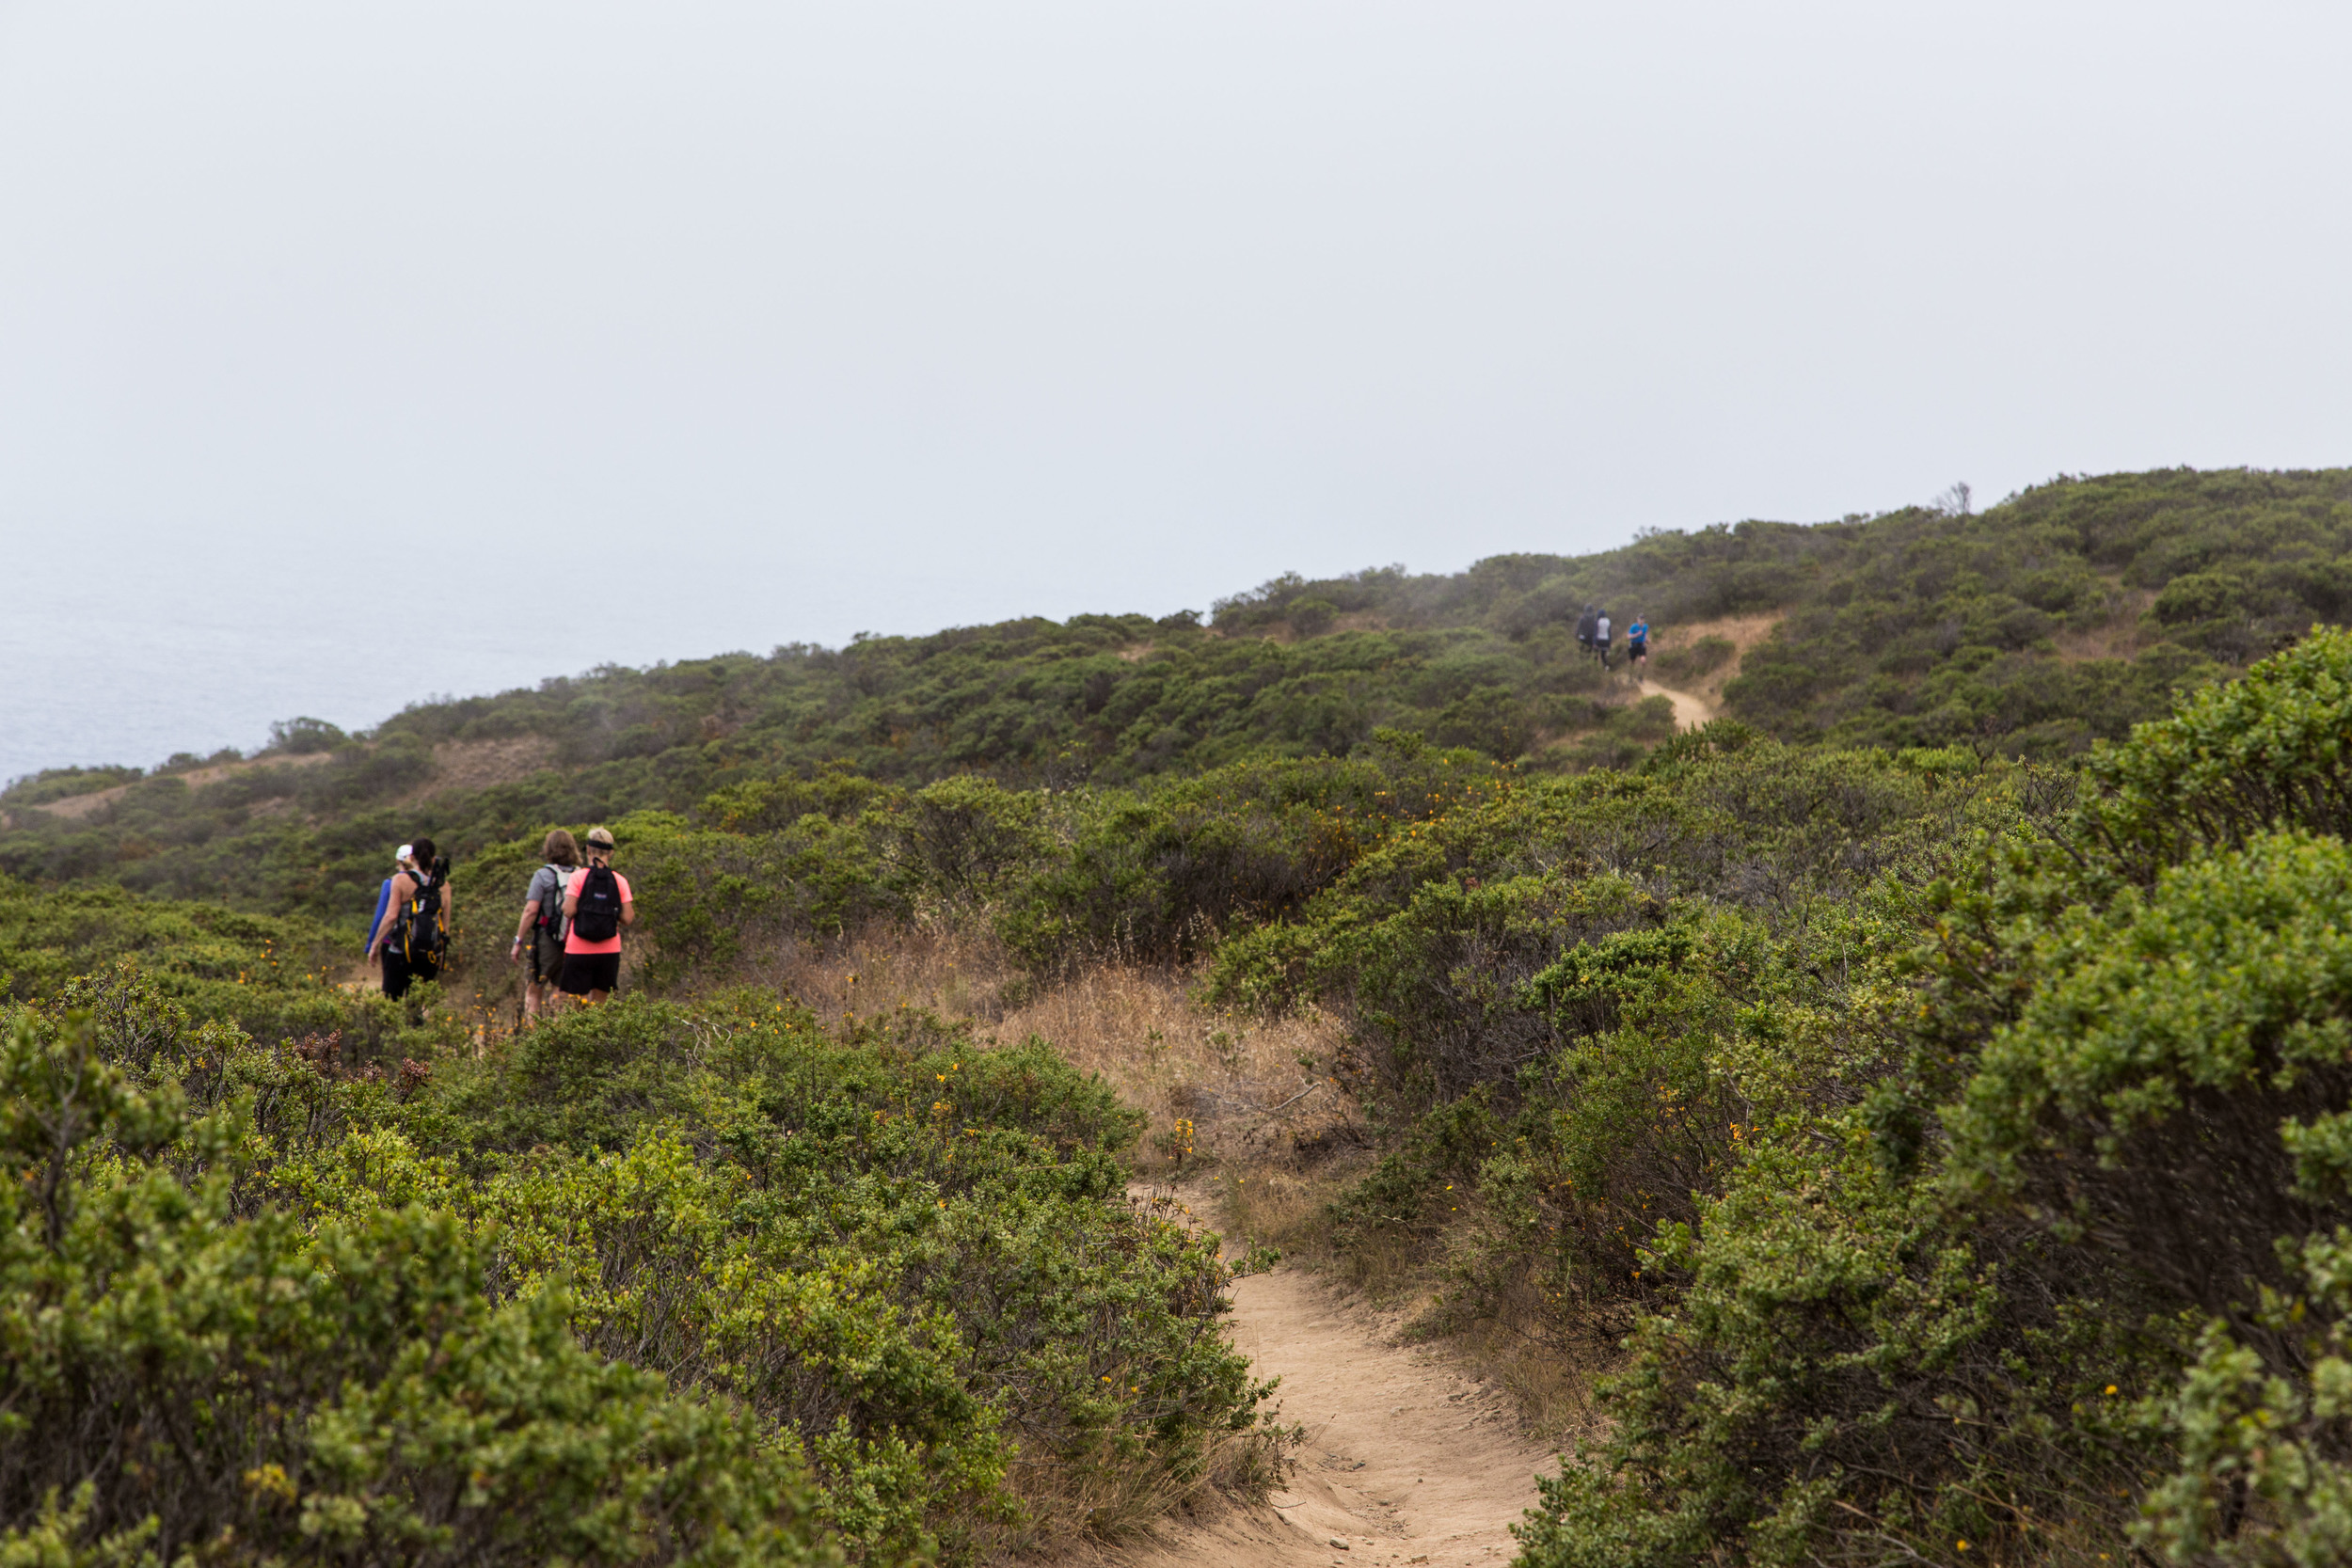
(1584, 627)
(1637, 643)
(539, 938)
(412, 934)
(596, 904)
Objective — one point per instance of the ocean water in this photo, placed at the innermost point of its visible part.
(131, 651)
(133, 663)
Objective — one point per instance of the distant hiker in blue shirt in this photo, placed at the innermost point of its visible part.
(412, 934)
(1637, 642)
(384, 894)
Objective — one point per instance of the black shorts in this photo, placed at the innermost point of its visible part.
(587, 972)
(1637, 650)
(399, 973)
(546, 956)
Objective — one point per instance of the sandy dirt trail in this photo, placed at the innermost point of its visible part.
(1691, 710)
(1406, 1461)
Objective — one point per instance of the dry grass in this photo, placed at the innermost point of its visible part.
(1516, 1346)
(468, 765)
(2118, 636)
(1073, 1507)
(75, 807)
(1741, 631)
(1218, 1089)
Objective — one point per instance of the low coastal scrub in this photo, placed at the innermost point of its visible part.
(1936, 1149)
(2061, 616)
(655, 1283)
(1975, 1193)
(1939, 1136)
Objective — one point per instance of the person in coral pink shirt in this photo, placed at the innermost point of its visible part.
(596, 904)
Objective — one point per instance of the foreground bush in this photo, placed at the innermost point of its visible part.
(896, 1270)
(181, 1384)
(2068, 1281)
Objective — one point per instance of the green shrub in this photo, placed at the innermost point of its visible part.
(1161, 875)
(203, 1382)
(1914, 628)
(1906, 1326)
(1310, 615)
(962, 842)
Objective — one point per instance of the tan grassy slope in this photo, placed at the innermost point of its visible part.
(458, 765)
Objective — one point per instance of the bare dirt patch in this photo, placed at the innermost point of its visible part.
(1701, 699)
(468, 764)
(1404, 1459)
(75, 807)
(1691, 709)
(2117, 637)
(1741, 631)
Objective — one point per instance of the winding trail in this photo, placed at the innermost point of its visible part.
(1405, 1460)
(1691, 710)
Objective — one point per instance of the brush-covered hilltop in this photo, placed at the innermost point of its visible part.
(1876, 1092)
(2060, 617)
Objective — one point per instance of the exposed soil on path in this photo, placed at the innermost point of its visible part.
(1407, 1461)
(1691, 710)
(1704, 700)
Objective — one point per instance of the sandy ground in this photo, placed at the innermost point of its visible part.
(1405, 1460)
(1691, 710)
(1696, 707)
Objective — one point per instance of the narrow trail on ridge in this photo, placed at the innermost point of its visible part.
(1406, 1460)
(1691, 710)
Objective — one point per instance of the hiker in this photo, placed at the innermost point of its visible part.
(596, 904)
(1600, 637)
(412, 933)
(1637, 643)
(384, 893)
(539, 938)
(1584, 628)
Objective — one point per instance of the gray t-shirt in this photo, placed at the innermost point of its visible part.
(546, 886)
(1600, 629)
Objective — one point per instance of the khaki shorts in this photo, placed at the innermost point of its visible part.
(546, 956)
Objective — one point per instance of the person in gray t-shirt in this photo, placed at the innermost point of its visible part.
(539, 938)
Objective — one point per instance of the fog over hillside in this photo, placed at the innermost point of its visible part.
(785, 323)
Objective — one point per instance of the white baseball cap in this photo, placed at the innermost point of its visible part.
(404, 854)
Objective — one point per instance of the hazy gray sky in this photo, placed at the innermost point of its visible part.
(800, 319)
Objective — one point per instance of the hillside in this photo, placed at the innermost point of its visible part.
(1836, 1153)
(2062, 616)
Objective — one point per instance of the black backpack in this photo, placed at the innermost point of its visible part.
(423, 923)
(597, 915)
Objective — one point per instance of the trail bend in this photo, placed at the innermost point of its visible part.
(1691, 709)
